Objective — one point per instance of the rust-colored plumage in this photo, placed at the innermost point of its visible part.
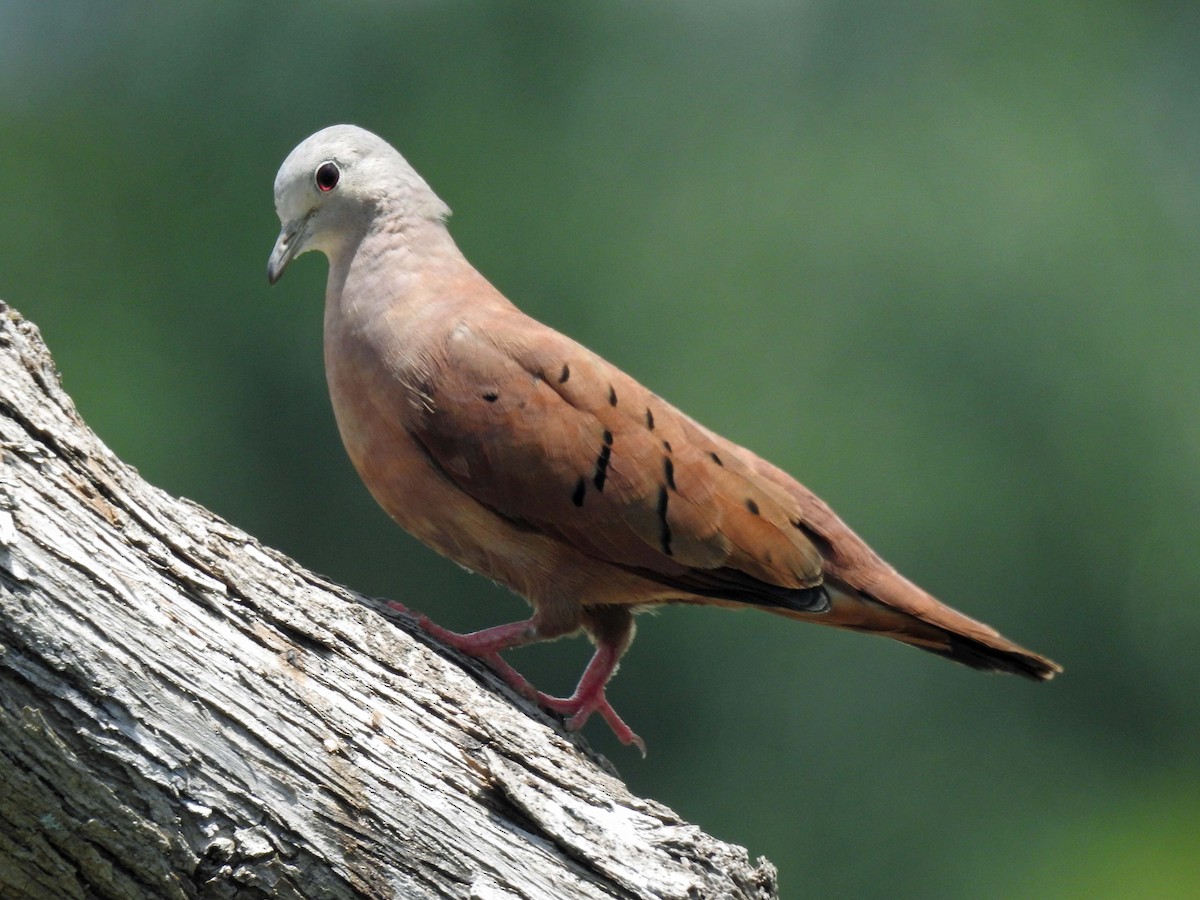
(522, 455)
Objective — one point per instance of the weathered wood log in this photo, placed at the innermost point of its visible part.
(186, 713)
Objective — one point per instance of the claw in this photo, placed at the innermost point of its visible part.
(486, 645)
(589, 696)
(580, 710)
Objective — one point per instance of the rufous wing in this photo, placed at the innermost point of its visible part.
(544, 432)
(548, 434)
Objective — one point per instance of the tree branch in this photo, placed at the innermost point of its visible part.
(186, 713)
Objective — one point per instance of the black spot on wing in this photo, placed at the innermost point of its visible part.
(649, 419)
(752, 506)
(564, 374)
(824, 547)
(602, 459)
(491, 396)
(580, 490)
(612, 396)
(664, 537)
(715, 457)
(669, 472)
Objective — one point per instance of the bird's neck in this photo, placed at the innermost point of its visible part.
(400, 294)
(392, 267)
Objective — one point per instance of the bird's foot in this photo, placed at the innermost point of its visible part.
(589, 696)
(486, 646)
(580, 706)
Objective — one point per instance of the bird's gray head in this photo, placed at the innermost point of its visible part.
(335, 184)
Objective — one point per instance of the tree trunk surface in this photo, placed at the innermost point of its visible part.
(186, 713)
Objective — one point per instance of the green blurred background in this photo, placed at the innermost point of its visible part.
(938, 259)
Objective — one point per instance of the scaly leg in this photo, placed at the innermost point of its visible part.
(589, 695)
(486, 645)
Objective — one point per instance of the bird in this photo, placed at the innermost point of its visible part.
(523, 456)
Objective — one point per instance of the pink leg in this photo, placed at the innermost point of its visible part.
(589, 695)
(486, 645)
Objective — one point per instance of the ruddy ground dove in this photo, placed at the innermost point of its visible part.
(523, 456)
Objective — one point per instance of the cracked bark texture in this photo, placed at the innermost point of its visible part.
(186, 713)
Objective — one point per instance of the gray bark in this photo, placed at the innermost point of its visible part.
(186, 713)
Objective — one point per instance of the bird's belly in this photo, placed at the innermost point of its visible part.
(420, 498)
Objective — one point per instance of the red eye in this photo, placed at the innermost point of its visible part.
(327, 176)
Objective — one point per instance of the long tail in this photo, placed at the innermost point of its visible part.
(902, 611)
(866, 594)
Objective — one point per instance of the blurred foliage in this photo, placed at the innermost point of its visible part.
(937, 259)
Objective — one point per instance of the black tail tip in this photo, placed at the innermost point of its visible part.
(989, 659)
